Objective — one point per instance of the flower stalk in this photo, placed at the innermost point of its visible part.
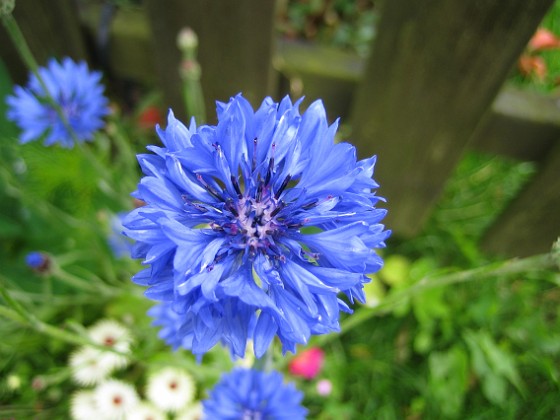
(501, 269)
(190, 72)
(17, 313)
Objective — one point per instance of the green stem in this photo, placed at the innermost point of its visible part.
(127, 156)
(14, 189)
(17, 313)
(97, 286)
(504, 268)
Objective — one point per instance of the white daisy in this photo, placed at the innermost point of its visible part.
(88, 367)
(115, 399)
(113, 335)
(83, 406)
(192, 412)
(170, 389)
(145, 411)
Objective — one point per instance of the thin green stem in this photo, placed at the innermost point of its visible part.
(14, 311)
(43, 207)
(126, 155)
(96, 286)
(496, 270)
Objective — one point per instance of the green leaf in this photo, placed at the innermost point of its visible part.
(449, 379)
(495, 366)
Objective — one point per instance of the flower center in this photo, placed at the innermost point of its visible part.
(252, 218)
(249, 414)
(253, 222)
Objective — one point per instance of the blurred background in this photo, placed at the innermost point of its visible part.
(459, 100)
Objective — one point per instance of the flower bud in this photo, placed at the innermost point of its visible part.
(187, 39)
(39, 262)
(7, 7)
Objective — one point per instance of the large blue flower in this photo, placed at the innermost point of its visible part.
(253, 395)
(77, 91)
(254, 226)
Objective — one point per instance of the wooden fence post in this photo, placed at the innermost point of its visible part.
(235, 47)
(531, 223)
(51, 28)
(435, 68)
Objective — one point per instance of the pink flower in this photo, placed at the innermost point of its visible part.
(324, 387)
(308, 363)
(543, 39)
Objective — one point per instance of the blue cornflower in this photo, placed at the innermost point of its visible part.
(253, 395)
(38, 261)
(254, 226)
(77, 91)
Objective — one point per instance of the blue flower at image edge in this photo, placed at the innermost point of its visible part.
(253, 394)
(253, 227)
(76, 90)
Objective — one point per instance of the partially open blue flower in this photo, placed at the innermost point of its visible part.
(76, 90)
(253, 227)
(252, 394)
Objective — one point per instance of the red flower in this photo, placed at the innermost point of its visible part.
(532, 65)
(308, 363)
(149, 117)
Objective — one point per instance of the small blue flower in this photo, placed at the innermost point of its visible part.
(253, 227)
(34, 259)
(76, 90)
(252, 394)
(38, 261)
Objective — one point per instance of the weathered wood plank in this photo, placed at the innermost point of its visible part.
(235, 47)
(317, 71)
(522, 125)
(434, 70)
(531, 223)
(131, 49)
(51, 28)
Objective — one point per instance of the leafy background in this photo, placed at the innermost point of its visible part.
(483, 349)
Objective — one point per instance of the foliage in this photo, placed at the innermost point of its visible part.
(477, 349)
(343, 23)
(484, 347)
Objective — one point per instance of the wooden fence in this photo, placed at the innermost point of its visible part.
(430, 90)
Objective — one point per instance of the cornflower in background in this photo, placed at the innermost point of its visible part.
(253, 394)
(254, 226)
(73, 110)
